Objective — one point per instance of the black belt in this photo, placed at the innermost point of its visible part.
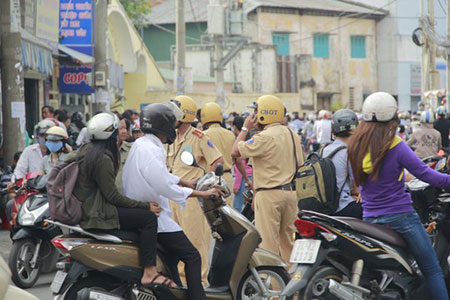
(227, 171)
(285, 187)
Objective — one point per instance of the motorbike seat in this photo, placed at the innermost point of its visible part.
(376, 231)
(121, 234)
(217, 290)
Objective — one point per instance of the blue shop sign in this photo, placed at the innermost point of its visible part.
(76, 22)
(74, 80)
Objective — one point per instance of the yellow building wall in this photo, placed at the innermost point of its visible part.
(339, 72)
(233, 103)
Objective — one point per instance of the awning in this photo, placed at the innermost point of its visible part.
(83, 58)
(36, 55)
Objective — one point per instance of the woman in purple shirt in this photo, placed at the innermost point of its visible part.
(378, 159)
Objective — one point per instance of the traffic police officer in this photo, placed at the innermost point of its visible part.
(223, 139)
(191, 219)
(274, 167)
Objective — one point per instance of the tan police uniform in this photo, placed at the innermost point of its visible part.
(191, 219)
(275, 199)
(223, 139)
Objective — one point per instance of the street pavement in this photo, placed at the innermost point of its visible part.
(41, 288)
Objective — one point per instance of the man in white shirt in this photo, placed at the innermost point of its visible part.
(31, 158)
(146, 178)
(322, 128)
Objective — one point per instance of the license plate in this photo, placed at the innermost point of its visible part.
(58, 281)
(305, 251)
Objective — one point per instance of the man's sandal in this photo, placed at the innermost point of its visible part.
(167, 282)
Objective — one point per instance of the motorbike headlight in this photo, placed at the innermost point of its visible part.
(25, 218)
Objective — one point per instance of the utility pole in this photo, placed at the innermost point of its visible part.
(102, 96)
(180, 59)
(434, 75)
(448, 54)
(220, 93)
(13, 100)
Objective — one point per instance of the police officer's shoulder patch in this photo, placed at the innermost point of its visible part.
(198, 133)
(251, 141)
(210, 144)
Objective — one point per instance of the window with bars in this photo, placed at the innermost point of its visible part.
(281, 40)
(321, 45)
(358, 46)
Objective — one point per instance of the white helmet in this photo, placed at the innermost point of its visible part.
(379, 107)
(102, 126)
(426, 117)
(44, 125)
(325, 114)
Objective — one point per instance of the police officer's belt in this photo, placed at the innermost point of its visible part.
(227, 171)
(285, 187)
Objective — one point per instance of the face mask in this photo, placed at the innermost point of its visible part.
(40, 140)
(54, 146)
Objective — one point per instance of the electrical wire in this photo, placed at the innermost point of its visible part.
(195, 18)
(347, 24)
(171, 31)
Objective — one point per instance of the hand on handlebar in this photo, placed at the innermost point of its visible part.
(213, 193)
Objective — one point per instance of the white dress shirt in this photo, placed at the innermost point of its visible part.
(30, 161)
(146, 178)
(322, 131)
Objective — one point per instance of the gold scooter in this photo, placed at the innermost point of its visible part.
(105, 264)
(10, 292)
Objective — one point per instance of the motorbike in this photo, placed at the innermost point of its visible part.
(9, 292)
(32, 252)
(106, 263)
(347, 258)
(6, 176)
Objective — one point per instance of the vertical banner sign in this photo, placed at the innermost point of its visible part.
(416, 79)
(76, 23)
(47, 20)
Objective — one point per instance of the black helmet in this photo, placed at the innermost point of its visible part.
(344, 120)
(159, 118)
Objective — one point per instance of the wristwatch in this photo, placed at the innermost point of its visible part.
(244, 128)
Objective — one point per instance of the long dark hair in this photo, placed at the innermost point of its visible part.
(98, 149)
(375, 137)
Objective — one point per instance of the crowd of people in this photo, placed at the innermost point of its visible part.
(130, 167)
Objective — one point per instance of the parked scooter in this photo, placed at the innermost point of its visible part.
(32, 251)
(106, 263)
(10, 292)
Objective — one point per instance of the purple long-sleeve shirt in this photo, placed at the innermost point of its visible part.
(387, 195)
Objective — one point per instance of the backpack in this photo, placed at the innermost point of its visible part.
(64, 206)
(316, 184)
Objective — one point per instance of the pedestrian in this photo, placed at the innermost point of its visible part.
(378, 159)
(146, 177)
(276, 156)
(425, 141)
(103, 206)
(442, 124)
(188, 138)
(322, 128)
(343, 123)
(241, 170)
(47, 112)
(212, 120)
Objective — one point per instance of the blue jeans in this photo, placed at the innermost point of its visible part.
(408, 225)
(239, 201)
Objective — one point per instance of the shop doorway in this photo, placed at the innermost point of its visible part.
(32, 111)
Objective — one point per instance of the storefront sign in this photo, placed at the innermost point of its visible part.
(47, 21)
(76, 20)
(75, 80)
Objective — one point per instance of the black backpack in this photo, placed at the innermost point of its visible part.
(316, 183)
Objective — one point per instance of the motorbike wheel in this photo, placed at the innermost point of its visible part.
(23, 275)
(96, 280)
(274, 278)
(323, 273)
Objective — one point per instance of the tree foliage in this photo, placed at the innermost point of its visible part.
(136, 10)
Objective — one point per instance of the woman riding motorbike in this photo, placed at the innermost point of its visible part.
(378, 159)
(103, 206)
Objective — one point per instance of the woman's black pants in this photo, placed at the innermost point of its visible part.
(146, 224)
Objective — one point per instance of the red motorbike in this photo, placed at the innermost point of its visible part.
(23, 192)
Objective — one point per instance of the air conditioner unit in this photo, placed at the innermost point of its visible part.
(100, 78)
